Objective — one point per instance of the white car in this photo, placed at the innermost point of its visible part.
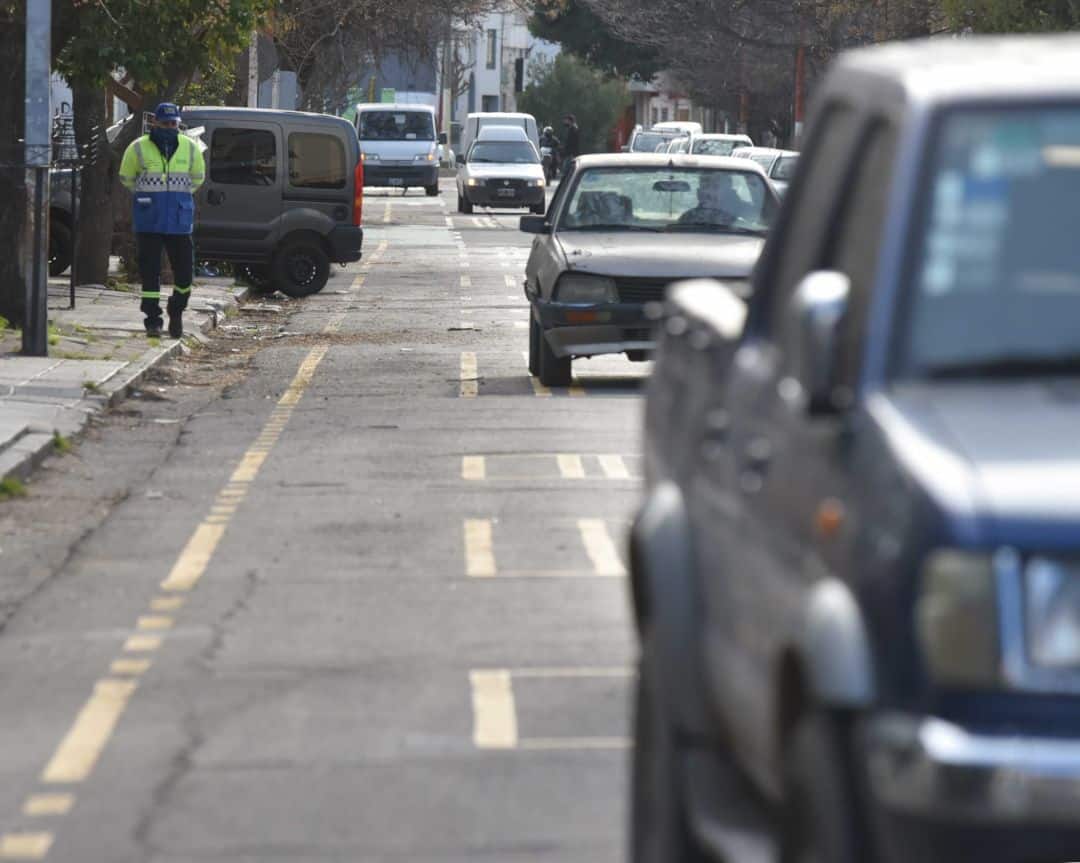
(719, 144)
(779, 165)
(502, 168)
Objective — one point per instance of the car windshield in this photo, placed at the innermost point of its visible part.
(716, 147)
(504, 152)
(703, 200)
(397, 126)
(784, 168)
(763, 159)
(647, 142)
(996, 282)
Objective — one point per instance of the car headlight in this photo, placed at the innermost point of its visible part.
(580, 288)
(371, 157)
(956, 618)
(472, 181)
(425, 157)
(539, 183)
(1052, 612)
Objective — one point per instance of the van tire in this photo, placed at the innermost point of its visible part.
(432, 191)
(301, 267)
(466, 205)
(60, 247)
(257, 276)
(553, 371)
(534, 346)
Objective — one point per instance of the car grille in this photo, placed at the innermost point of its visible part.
(641, 290)
(516, 185)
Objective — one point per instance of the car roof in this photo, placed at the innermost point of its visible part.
(395, 106)
(664, 160)
(964, 69)
(517, 115)
(723, 136)
(502, 133)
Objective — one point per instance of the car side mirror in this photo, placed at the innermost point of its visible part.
(442, 138)
(459, 159)
(819, 307)
(535, 225)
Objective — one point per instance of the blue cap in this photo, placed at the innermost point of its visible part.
(167, 112)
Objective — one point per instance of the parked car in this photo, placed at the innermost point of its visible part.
(678, 145)
(400, 146)
(283, 194)
(719, 144)
(475, 122)
(856, 571)
(620, 229)
(681, 127)
(501, 169)
(778, 164)
(651, 140)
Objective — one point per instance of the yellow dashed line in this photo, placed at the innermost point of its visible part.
(25, 846)
(469, 383)
(166, 603)
(80, 749)
(494, 714)
(466, 282)
(599, 547)
(142, 643)
(473, 467)
(570, 466)
(614, 467)
(38, 805)
(557, 744)
(511, 281)
(133, 667)
(576, 389)
(153, 622)
(479, 552)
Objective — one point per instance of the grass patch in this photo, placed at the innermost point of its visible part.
(92, 386)
(11, 487)
(61, 443)
(5, 324)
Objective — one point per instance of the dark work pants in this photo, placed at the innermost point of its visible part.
(181, 253)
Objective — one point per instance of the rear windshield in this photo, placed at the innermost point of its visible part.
(714, 147)
(647, 142)
(504, 152)
(397, 126)
(784, 167)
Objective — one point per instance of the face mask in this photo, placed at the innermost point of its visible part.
(165, 139)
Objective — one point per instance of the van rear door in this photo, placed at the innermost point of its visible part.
(319, 177)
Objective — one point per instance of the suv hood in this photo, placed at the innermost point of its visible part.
(649, 255)
(1009, 451)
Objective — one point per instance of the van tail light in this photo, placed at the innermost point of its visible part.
(358, 193)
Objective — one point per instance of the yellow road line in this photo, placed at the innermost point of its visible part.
(466, 282)
(166, 603)
(570, 466)
(494, 714)
(37, 805)
(193, 560)
(25, 846)
(386, 215)
(614, 467)
(473, 467)
(539, 390)
(479, 550)
(81, 747)
(581, 672)
(511, 281)
(599, 547)
(557, 573)
(576, 389)
(555, 744)
(142, 643)
(469, 383)
(133, 667)
(149, 622)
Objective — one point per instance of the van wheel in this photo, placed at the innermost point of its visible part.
(553, 371)
(466, 205)
(301, 267)
(60, 250)
(257, 277)
(432, 191)
(659, 832)
(534, 346)
(820, 817)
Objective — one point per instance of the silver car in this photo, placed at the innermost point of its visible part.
(501, 169)
(618, 231)
(779, 165)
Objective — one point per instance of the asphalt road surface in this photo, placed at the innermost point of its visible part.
(345, 585)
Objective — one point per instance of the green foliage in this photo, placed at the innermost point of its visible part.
(11, 487)
(569, 85)
(4, 323)
(1012, 16)
(578, 29)
(214, 83)
(61, 444)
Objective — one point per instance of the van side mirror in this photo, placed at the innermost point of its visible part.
(459, 159)
(535, 225)
(819, 307)
(442, 138)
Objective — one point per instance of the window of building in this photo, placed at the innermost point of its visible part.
(655, 116)
(663, 115)
(316, 161)
(243, 157)
(492, 35)
(489, 104)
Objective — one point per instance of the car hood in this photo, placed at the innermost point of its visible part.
(629, 253)
(1006, 451)
(500, 171)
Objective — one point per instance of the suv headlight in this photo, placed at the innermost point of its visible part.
(1052, 612)
(472, 181)
(539, 182)
(580, 288)
(956, 618)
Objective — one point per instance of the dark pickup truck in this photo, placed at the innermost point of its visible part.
(856, 572)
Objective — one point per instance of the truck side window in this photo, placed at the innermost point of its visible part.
(243, 157)
(808, 228)
(316, 161)
(860, 230)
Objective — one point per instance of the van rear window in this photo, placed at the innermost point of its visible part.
(316, 161)
(397, 126)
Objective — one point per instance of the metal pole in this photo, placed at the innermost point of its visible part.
(38, 158)
(253, 71)
(76, 189)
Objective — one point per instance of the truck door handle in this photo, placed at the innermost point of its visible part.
(214, 197)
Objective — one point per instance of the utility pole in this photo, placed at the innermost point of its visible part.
(38, 138)
(253, 71)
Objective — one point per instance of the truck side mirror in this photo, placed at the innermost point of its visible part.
(819, 307)
(442, 138)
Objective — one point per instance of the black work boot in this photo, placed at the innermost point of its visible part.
(153, 331)
(152, 311)
(175, 308)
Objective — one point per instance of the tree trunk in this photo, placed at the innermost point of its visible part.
(98, 177)
(12, 174)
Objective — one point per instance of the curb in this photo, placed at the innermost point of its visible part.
(25, 455)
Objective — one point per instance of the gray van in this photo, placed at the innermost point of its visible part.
(283, 195)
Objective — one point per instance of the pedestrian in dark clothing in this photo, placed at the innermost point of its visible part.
(572, 145)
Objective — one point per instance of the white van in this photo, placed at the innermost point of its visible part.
(475, 122)
(684, 126)
(399, 145)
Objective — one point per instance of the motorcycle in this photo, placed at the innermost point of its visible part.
(548, 157)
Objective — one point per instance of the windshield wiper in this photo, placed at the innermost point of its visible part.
(614, 228)
(1008, 365)
(712, 226)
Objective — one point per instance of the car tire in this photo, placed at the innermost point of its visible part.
(538, 209)
(553, 371)
(534, 346)
(301, 267)
(257, 277)
(466, 205)
(659, 829)
(432, 191)
(820, 819)
(60, 247)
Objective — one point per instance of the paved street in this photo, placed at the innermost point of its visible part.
(356, 593)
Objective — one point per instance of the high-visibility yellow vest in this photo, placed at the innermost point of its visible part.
(163, 189)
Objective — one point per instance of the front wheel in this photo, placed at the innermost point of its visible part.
(534, 346)
(257, 276)
(432, 191)
(301, 267)
(553, 371)
(466, 205)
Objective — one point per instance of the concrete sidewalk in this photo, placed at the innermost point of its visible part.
(97, 352)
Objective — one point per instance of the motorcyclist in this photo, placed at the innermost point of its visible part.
(550, 142)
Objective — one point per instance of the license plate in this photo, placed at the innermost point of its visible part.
(397, 181)
(505, 193)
